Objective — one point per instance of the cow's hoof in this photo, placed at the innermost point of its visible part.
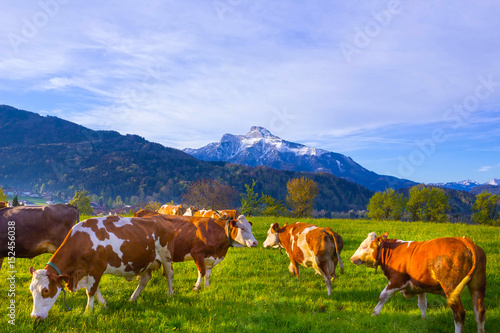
(374, 314)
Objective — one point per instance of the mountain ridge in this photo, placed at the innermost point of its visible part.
(260, 147)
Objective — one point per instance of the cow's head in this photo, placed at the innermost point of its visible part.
(272, 236)
(367, 252)
(242, 233)
(190, 211)
(45, 288)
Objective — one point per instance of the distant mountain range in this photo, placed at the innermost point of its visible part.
(492, 186)
(261, 147)
(43, 152)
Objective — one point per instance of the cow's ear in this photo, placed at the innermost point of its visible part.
(233, 223)
(250, 223)
(385, 235)
(275, 227)
(61, 278)
(32, 270)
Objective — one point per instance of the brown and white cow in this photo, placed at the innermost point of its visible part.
(114, 245)
(214, 214)
(206, 240)
(309, 246)
(228, 214)
(172, 210)
(36, 229)
(190, 211)
(442, 266)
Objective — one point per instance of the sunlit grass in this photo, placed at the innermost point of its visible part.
(251, 290)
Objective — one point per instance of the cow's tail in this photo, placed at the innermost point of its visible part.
(337, 250)
(455, 295)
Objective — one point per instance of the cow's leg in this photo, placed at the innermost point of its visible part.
(90, 301)
(207, 277)
(422, 304)
(477, 289)
(91, 291)
(143, 281)
(458, 315)
(100, 298)
(294, 268)
(384, 297)
(168, 271)
(328, 283)
(200, 263)
(478, 305)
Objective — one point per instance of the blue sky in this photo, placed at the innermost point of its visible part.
(405, 88)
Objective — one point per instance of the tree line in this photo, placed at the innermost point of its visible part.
(429, 204)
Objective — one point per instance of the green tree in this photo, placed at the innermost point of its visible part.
(300, 195)
(3, 196)
(118, 202)
(436, 205)
(153, 205)
(375, 206)
(386, 205)
(250, 201)
(427, 204)
(486, 210)
(82, 202)
(15, 202)
(271, 206)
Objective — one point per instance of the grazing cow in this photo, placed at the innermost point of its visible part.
(36, 229)
(214, 214)
(229, 214)
(189, 211)
(309, 246)
(442, 266)
(206, 240)
(115, 245)
(172, 210)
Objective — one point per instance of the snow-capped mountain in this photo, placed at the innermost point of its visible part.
(464, 185)
(493, 186)
(493, 181)
(261, 147)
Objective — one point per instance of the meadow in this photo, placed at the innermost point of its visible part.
(251, 290)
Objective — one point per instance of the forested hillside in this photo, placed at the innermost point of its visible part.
(62, 157)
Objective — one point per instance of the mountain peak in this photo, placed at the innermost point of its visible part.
(261, 147)
(493, 181)
(259, 132)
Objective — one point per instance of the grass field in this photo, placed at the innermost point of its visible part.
(252, 291)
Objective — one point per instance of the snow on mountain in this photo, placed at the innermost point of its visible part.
(261, 147)
(493, 181)
(470, 185)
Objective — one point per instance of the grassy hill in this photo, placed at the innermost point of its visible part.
(252, 291)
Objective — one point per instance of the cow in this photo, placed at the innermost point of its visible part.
(36, 229)
(115, 245)
(228, 214)
(207, 213)
(189, 211)
(172, 210)
(442, 266)
(309, 246)
(206, 240)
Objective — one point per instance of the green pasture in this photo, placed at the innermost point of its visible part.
(252, 291)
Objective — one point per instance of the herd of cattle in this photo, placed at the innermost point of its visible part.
(128, 247)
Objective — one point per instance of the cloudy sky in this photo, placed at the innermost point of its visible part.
(406, 88)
